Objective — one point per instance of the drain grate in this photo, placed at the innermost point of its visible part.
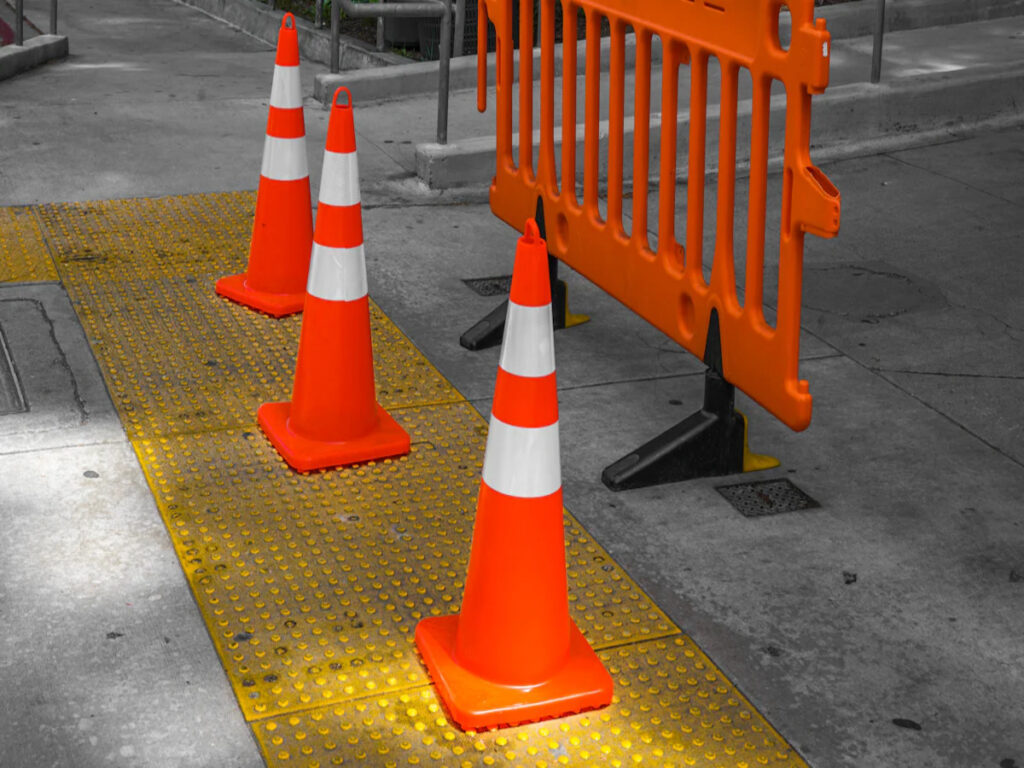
(11, 398)
(490, 286)
(766, 497)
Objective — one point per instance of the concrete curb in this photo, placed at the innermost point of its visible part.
(314, 44)
(35, 52)
(844, 21)
(848, 121)
(858, 19)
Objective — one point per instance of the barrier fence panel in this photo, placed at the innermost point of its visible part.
(665, 281)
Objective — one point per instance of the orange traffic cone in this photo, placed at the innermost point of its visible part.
(334, 417)
(275, 280)
(513, 654)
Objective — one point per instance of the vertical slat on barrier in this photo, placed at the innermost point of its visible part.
(616, 110)
(546, 153)
(723, 267)
(759, 126)
(667, 180)
(19, 22)
(569, 101)
(592, 114)
(526, 88)
(695, 174)
(503, 92)
(641, 133)
(792, 237)
(481, 55)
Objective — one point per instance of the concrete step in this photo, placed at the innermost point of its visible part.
(934, 80)
(844, 21)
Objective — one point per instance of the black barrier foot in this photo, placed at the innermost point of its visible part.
(488, 332)
(708, 443)
(705, 444)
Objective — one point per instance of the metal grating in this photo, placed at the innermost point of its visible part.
(490, 286)
(766, 497)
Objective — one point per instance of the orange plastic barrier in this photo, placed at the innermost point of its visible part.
(668, 286)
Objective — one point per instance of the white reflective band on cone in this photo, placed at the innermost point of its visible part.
(286, 90)
(522, 461)
(337, 274)
(339, 182)
(528, 347)
(284, 159)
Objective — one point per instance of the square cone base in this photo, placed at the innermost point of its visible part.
(305, 455)
(274, 304)
(474, 703)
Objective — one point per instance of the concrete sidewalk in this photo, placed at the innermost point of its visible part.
(881, 629)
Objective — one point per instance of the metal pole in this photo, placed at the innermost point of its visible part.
(442, 8)
(460, 26)
(318, 17)
(335, 32)
(380, 33)
(53, 17)
(19, 22)
(442, 75)
(876, 51)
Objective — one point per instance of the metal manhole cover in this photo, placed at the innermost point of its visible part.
(490, 286)
(766, 497)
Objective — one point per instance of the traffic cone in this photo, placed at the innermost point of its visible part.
(513, 654)
(282, 233)
(333, 417)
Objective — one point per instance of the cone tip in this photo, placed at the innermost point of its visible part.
(287, 43)
(530, 281)
(347, 103)
(341, 133)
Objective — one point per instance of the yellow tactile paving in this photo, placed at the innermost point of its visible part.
(176, 356)
(24, 256)
(311, 585)
(672, 708)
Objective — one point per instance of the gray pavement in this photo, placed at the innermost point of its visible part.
(912, 344)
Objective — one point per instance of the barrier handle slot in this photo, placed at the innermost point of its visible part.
(818, 202)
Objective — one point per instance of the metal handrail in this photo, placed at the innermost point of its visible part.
(876, 48)
(20, 20)
(442, 8)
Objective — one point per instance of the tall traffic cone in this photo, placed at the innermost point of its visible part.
(282, 233)
(334, 417)
(513, 654)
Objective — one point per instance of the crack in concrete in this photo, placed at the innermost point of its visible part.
(933, 172)
(1008, 328)
(934, 409)
(948, 374)
(62, 360)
